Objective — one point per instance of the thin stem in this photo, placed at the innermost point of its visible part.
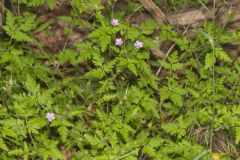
(169, 51)
(213, 82)
(128, 18)
(2, 5)
(128, 154)
(65, 44)
(9, 44)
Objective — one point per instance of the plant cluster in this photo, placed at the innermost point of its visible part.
(100, 99)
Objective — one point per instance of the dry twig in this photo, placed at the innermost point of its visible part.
(154, 10)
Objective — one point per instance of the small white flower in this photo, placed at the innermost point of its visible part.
(50, 116)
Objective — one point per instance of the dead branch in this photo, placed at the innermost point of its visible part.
(154, 10)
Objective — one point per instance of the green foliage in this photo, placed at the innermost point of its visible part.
(17, 27)
(148, 27)
(36, 3)
(107, 100)
(237, 135)
(3, 146)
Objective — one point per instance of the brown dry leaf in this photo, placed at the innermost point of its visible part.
(46, 39)
(66, 152)
(194, 17)
(52, 38)
(77, 37)
(62, 7)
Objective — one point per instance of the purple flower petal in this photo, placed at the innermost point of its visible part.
(50, 116)
(118, 42)
(115, 22)
(138, 44)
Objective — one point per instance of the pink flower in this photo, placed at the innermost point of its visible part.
(50, 116)
(138, 44)
(118, 42)
(115, 22)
